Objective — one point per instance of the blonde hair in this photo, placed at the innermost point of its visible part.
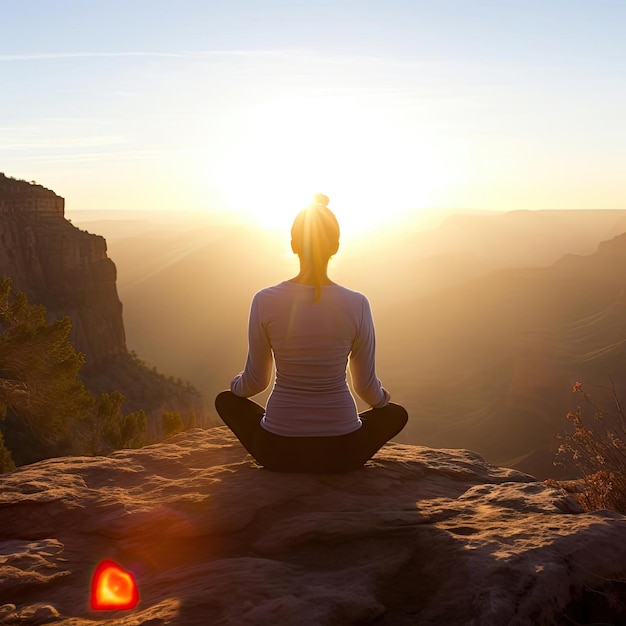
(315, 236)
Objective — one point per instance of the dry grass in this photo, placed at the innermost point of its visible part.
(596, 449)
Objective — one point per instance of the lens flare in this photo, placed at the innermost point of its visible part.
(113, 588)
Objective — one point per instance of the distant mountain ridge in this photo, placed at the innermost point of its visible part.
(494, 360)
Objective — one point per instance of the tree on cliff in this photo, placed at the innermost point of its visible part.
(48, 409)
(39, 369)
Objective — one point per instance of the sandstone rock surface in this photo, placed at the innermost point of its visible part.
(418, 536)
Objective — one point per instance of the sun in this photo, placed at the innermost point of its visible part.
(289, 150)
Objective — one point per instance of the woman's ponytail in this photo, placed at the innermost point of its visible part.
(315, 235)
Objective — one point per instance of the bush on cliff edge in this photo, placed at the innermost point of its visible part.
(6, 460)
(596, 446)
(106, 428)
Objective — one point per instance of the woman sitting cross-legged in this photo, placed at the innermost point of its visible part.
(312, 327)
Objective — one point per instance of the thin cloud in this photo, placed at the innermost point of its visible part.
(50, 56)
(88, 157)
(79, 142)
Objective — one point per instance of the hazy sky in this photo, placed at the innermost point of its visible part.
(384, 105)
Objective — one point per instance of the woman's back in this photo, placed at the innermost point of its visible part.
(311, 341)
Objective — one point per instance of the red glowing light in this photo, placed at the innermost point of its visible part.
(113, 588)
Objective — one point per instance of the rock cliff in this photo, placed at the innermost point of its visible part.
(61, 266)
(67, 270)
(418, 536)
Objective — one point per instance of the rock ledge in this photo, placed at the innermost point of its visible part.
(418, 536)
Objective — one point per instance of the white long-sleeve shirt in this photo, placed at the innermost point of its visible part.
(311, 342)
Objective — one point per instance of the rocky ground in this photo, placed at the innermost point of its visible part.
(418, 536)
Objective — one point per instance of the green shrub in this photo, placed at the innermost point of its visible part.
(6, 461)
(596, 448)
(132, 428)
(172, 423)
(106, 428)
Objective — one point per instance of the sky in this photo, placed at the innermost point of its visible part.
(390, 107)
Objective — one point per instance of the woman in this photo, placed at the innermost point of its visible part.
(312, 326)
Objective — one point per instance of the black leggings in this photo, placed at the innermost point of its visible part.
(311, 455)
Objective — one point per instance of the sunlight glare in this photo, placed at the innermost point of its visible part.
(290, 150)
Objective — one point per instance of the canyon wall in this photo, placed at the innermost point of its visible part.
(60, 266)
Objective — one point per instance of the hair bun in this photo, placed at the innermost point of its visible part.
(320, 198)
